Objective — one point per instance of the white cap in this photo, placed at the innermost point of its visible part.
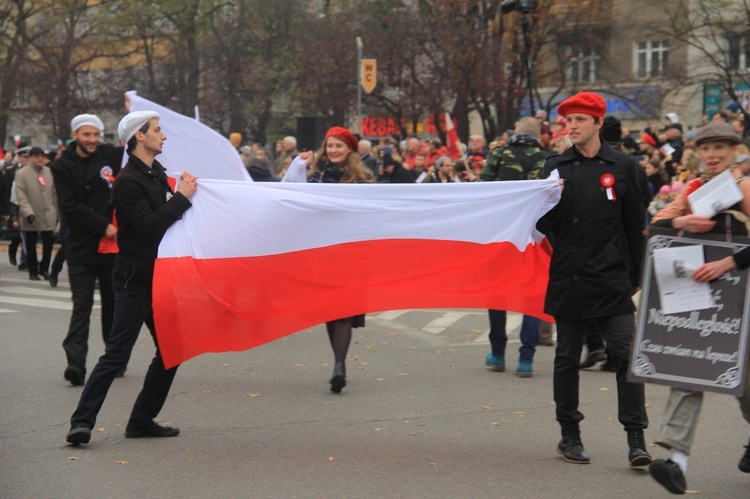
(132, 122)
(672, 117)
(86, 119)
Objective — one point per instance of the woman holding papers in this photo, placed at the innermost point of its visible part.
(717, 145)
(338, 161)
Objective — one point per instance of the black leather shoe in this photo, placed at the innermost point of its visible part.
(53, 279)
(152, 430)
(23, 266)
(571, 447)
(78, 435)
(638, 455)
(74, 374)
(592, 358)
(744, 465)
(44, 275)
(34, 278)
(669, 475)
(338, 380)
(13, 260)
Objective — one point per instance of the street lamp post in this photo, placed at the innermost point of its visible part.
(359, 85)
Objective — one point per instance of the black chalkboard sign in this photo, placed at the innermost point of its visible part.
(701, 350)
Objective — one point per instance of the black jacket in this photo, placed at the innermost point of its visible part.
(598, 243)
(145, 208)
(399, 175)
(85, 200)
(261, 173)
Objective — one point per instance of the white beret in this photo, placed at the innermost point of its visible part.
(86, 119)
(132, 122)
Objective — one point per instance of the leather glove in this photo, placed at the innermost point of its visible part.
(30, 218)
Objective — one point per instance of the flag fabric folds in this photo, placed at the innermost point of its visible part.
(191, 146)
(251, 263)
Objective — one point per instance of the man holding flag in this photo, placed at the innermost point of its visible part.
(146, 207)
(596, 231)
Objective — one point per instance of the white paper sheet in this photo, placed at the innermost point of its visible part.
(717, 195)
(678, 292)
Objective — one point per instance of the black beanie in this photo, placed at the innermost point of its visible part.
(611, 129)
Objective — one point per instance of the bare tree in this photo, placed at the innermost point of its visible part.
(14, 20)
(65, 47)
(250, 62)
(718, 31)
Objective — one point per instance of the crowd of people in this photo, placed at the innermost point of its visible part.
(110, 221)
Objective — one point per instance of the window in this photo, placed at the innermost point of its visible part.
(651, 58)
(739, 52)
(583, 66)
(20, 97)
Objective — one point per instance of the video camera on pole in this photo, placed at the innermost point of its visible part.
(524, 6)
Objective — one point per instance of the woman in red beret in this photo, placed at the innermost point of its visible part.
(337, 161)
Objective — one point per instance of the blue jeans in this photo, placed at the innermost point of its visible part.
(131, 311)
(529, 335)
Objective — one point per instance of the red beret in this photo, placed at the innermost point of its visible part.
(648, 139)
(583, 103)
(345, 135)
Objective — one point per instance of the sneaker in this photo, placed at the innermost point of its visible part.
(744, 465)
(669, 475)
(496, 364)
(525, 369)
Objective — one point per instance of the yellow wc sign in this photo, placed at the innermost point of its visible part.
(369, 74)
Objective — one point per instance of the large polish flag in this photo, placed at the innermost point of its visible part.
(251, 263)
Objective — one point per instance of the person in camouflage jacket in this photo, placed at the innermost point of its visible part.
(522, 158)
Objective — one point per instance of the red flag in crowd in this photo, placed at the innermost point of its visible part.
(452, 137)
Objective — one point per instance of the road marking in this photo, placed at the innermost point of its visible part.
(52, 293)
(391, 314)
(33, 302)
(443, 322)
(38, 297)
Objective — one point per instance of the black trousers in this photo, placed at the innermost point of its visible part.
(132, 310)
(618, 331)
(82, 286)
(35, 267)
(57, 262)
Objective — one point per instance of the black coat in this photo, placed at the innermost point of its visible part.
(85, 200)
(598, 244)
(145, 209)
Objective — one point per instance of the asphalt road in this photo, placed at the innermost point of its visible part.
(421, 418)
